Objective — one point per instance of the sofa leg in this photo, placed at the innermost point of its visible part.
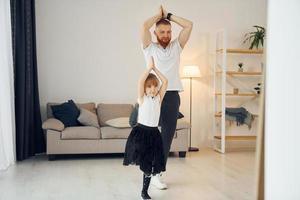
(51, 157)
(182, 154)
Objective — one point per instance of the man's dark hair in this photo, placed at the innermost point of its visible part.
(163, 21)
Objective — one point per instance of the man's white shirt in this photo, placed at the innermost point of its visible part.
(166, 61)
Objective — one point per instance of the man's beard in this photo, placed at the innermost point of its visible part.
(163, 43)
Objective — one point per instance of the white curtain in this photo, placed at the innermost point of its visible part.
(7, 119)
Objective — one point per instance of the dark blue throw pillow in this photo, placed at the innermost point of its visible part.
(134, 115)
(67, 113)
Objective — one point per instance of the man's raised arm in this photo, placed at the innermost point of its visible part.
(187, 26)
(145, 33)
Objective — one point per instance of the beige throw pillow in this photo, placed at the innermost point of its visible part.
(88, 118)
(53, 124)
(121, 122)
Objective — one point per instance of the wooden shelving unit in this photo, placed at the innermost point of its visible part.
(241, 73)
(242, 51)
(220, 71)
(237, 137)
(238, 94)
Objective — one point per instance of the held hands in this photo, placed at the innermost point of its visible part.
(162, 13)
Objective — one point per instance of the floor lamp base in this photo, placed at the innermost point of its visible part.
(193, 149)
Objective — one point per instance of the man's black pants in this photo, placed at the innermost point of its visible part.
(168, 119)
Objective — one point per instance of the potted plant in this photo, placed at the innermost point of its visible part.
(240, 67)
(256, 37)
(257, 88)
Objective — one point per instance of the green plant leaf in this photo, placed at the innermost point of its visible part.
(255, 37)
(248, 39)
(258, 27)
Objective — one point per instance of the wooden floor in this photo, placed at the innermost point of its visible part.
(205, 175)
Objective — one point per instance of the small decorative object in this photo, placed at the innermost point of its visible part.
(235, 90)
(240, 67)
(257, 88)
(256, 37)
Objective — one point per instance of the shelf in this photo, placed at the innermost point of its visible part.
(220, 115)
(227, 74)
(239, 94)
(242, 73)
(243, 51)
(237, 137)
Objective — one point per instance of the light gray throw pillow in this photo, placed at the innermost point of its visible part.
(88, 118)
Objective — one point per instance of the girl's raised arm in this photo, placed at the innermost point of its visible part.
(163, 79)
(141, 90)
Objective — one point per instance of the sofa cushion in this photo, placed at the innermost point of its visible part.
(81, 132)
(120, 122)
(88, 118)
(182, 124)
(67, 113)
(89, 106)
(110, 111)
(108, 132)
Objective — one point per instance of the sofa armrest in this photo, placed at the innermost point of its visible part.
(53, 124)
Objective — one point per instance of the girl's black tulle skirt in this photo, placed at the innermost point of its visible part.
(144, 147)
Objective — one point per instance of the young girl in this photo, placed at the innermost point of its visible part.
(144, 144)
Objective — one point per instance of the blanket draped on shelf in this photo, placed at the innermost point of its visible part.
(240, 115)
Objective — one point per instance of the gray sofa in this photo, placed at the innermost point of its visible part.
(106, 139)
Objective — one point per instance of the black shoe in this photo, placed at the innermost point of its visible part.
(145, 195)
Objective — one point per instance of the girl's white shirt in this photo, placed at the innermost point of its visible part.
(149, 111)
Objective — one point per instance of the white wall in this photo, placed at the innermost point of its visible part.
(89, 50)
(282, 136)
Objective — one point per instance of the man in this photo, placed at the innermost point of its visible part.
(166, 55)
